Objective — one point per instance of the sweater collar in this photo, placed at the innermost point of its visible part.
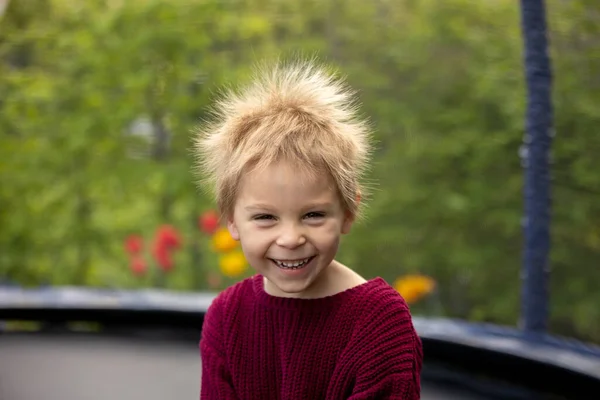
(311, 304)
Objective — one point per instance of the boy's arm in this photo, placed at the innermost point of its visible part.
(392, 357)
(216, 382)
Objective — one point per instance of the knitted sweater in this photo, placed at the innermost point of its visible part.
(358, 344)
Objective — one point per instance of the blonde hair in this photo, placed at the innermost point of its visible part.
(295, 112)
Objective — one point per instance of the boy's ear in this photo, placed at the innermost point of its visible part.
(349, 217)
(347, 224)
(232, 227)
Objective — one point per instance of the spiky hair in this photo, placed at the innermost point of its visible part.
(297, 112)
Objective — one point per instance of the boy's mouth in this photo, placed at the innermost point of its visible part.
(292, 264)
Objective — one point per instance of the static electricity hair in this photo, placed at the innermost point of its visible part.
(296, 112)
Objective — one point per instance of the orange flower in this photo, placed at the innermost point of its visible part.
(222, 241)
(233, 264)
(414, 287)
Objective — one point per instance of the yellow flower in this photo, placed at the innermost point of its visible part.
(233, 264)
(414, 287)
(222, 241)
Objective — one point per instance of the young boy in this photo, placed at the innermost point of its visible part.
(286, 157)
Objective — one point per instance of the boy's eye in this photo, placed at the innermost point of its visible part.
(263, 217)
(315, 214)
(310, 215)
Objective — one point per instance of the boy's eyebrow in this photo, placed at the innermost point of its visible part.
(258, 206)
(265, 207)
(325, 204)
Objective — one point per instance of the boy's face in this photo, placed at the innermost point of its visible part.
(289, 226)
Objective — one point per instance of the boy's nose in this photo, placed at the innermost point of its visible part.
(291, 236)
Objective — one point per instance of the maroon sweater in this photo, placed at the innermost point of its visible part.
(358, 344)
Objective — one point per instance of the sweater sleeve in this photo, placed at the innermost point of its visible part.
(389, 354)
(216, 382)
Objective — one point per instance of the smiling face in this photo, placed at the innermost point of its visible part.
(289, 225)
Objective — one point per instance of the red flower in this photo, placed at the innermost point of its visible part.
(134, 244)
(168, 237)
(163, 257)
(166, 240)
(209, 222)
(138, 265)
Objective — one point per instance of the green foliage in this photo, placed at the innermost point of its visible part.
(442, 83)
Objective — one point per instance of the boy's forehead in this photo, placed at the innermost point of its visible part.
(286, 172)
(281, 184)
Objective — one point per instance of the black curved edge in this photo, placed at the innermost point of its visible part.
(506, 375)
(527, 366)
(481, 356)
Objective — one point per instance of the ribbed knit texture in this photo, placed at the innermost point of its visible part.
(358, 344)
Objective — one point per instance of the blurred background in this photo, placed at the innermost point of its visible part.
(99, 99)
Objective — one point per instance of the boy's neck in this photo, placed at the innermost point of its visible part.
(333, 280)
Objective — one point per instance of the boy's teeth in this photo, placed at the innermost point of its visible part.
(292, 264)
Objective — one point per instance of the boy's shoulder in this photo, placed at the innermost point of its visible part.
(380, 300)
(383, 319)
(232, 295)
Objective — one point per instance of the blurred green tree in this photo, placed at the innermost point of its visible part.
(99, 99)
